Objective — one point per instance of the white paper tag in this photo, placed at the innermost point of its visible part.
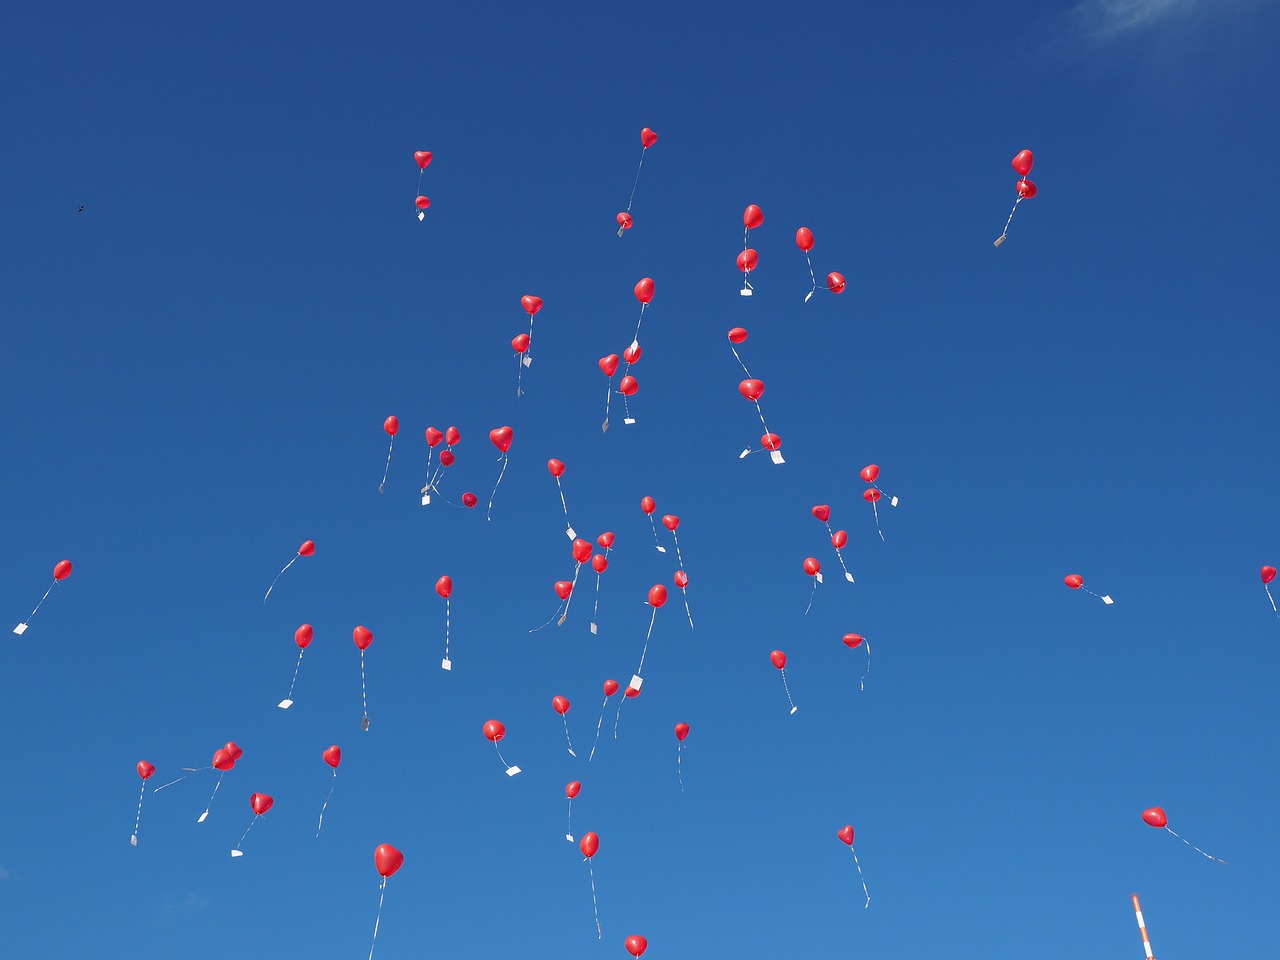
(203, 816)
(848, 576)
(745, 291)
(446, 664)
(818, 577)
(662, 549)
(893, 501)
(134, 840)
(744, 454)
(426, 499)
(793, 710)
(237, 853)
(807, 296)
(1000, 239)
(571, 753)
(637, 682)
(569, 836)
(422, 215)
(285, 704)
(604, 427)
(1107, 600)
(570, 533)
(628, 420)
(20, 629)
(776, 456)
(527, 360)
(512, 771)
(593, 629)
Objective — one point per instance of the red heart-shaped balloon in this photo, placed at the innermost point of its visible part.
(671, 521)
(391, 425)
(637, 945)
(451, 436)
(1268, 574)
(851, 640)
(752, 217)
(307, 549)
(610, 687)
(531, 304)
(501, 438)
(609, 364)
(644, 290)
(748, 260)
(434, 436)
(469, 499)
(681, 579)
(804, 239)
(870, 473)
(771, 441)
(648, 137)
(520, 342)
(261, 803)
(632, 353)
(387, 859)
(589, 845)
(822, 512)
(836, 282)
(560, 705)
(62, 570)
(1074, 581)
(222, 760)
(599, 563)
(682, 731)
(333, 756)
(581, 551)
(571, 790)
(839, 539)
(363, 636)
(1155, 817)
(648, 505)
(605, 539)
(145, 770)
(444, 587)
(302, 636)
(812, 567)
(234, 751)
(1022, 162)
(778, 659)
(628, 386)
(657, 595)
(871, 495)
(563, 589)
(737, 334)
(422, 158)
(624, 220)
(494, 730)
(845, 833)
(751, 389)
(556, 467)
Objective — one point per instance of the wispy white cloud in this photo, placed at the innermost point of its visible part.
(1109, 18)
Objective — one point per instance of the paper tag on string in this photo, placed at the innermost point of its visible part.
(512, 771)
(848, 576)
(285, 704)
(527, 360)
(1107, 600)
(593, 629)
(893, 501)
(20, 629)
(426, 499)
(134, 840)
(636, 682)
(446, 664)
(570, 533)
(793, 710)
(776, 456)
(629, 420)
(237, 853)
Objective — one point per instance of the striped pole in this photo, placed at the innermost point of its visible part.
(1142, 928)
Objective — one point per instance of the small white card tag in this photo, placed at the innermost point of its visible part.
(426, 499)
(604, 427)
(203, 816)
(593, 629)
(571, 533)
(893, 501)
(20, 629)
(662, 549)
(744, 454)
(237, 853)
(512, 771)
(628, 420)
(637, 682)
(285, 704)
(818, 577)
(446, 664)
(527, 361)
(571, 753)
(569, 836)
(776, 456)
(134, 840)
(421, 215)
(793, 710)
(745, 291)
(848, 576)
(1107, 600)
(807, 296)
(1000, 239)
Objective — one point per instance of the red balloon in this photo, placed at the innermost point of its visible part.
(1027, 189)
(520, 342)
(333, 756)
(637, 945)
(752, 217)
(871, 495)
(845, 833)
(835, 282)
(628, 386)
(737, 334)
(434, 436)
(581, 551)
(233, 751)
(647, 504)
(648, 138)
(610, 687)
(307, 549)
(560, 705)
(451, 436)
(682, 579)
(671, 522)
(609, 364)
(870, 473)
(261, 803)
(822, 512)
(391, 425)
(494, 730)
(599, 563)
(563, 589)
(422, 158)
(444, 587)
(851, 640)
(363, 636)
(644, 290)
(748, 259)
(682, 731)
(501, 438)
(62, 570)
(804, 239)
(605, 539)
(469, 499)
(589, 844)
(555, 467)
(657, 595)
(812, 567)
(302, 636)
(1268, 574)
(422, 202)
(778, 659)
(631, 692)
(1022, 162)
(1155, 817)
(624, 220)
(145, 770)
(387, 859)
(839, 539)
(632, 353)
(1074, 581)
(222, 760)
(447, 458)
(751, 389)
(571, 790)
(531, 304)
(771, 441)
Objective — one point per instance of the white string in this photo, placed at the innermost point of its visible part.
(520, 372)
(505, 765)
(559, 607)
(269, 589)
(608, 396)
(212, 795)
(569, 834)
(378, 920)
(761, 412)
(637, 180)
(679, 774)
(1004, 233)
(42, 600)
(652, 617)
(739, 359)
(618, 718)
(1197, 849)
(685, 592)
(387, 469)
(296, 668)
(569, 599)
(1271, 598)
(599, 724)
(325, 805)
(860, 877)
(876, 513)
(787, 688)
(565, 718)
(812, 594)
(489, 515)
(654, 526)
(563, 505)
(364, 696)
(596, 609)
(635, 341)
(255, 819)
(181, 778)
(626, 407)
(594, 906)
(862, 684)
(138, 819)
(446, 628)
(811, 275)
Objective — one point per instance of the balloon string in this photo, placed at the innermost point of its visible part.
(564, 506)
(172, 782)
(269, 589)
(876, 513)
(626, 406)
(860, 877)
(296, 668)
(812, 594)
(862, 684)
(679, 558)
(519, 373)
(739, 359)
(42, 600)
(387, 468)
(505, 460)
(138, 819)
(635, 341)
(618, 718)
(1271, 598)
(679, 774)
(596, 609)
(324, 806)
(567, 739)
(555, 616)
(364, 694)
(840, 557)
(637, 180)
(811, 274)
(686, 608)
(1005, 232)
(1090, 592)
(212, 795)
(255, 819)
(652, 617)
(378, 919)
(599, 724)
(572, 587)
(446, 628)
(787, 688)
(608, 397)
(500, 756)
(654, 527)
(594, 905)
(761, 412)
(1197, 849)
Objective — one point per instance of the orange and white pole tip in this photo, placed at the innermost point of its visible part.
(1142, 928)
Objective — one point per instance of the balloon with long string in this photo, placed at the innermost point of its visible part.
(838, 537)
(737, 336)
(332, 756)
(391, 426)
(779, 660)
(608, 366)
(451, 436)
(682, 731)
(61, 570)
(388, 860)
(434, 437)
(363, 636)
(1269, 574)
(564, 590)
(561, 706)
(224, 760)
(570, 791)
(752, 217)
(804, 240)
(1022, 162)
(444, 587)
(145, 770)
(494, 730)
(672, 523)
(610, 688)
(522, 343)
(422, 158)
(556, 468)
(748, 260)
(637, 945)
(261, 803)
(590, 845)
(1076, 582)
(853, 641)
(600, 563)
(812, 568)
(648, 505)
(845, 834)
(1156, 817)
(870, 473)
(656, 600)
(307, 549)
(501, 438)
(753, 390)
(302, 637)
(647, 139)
(644, 291)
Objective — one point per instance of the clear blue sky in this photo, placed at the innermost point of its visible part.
(197, 367)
